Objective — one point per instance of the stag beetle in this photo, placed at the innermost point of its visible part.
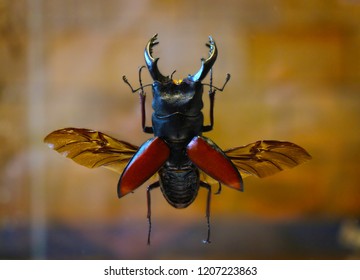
(178, 152)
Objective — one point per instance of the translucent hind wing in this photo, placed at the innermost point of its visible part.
(266, 157)
(91, 148)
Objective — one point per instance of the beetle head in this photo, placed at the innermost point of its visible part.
(206, 64)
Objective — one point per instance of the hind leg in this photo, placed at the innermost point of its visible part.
(208, 201)
(148, 198)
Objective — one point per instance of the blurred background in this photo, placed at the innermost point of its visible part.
(295, 69)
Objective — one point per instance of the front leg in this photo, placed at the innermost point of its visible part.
(212, 91)
(207, 128)
(146, 129)
(142, 95)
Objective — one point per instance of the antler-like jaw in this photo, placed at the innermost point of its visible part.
(151, 62)
(206, 64)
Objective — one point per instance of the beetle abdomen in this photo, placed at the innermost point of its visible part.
(179, 186)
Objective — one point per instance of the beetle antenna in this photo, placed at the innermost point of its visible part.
(171, 76)
(228, 76)
(126, 81)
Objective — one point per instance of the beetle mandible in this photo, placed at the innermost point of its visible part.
(178, 152)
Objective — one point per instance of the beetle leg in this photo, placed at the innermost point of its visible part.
(207, 128)
(148, 198)
(146, 129)
(212, 100)
(142, 94)
(208, 201)
(219, 189)
(212, 91)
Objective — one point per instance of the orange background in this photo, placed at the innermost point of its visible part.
(295, 76)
